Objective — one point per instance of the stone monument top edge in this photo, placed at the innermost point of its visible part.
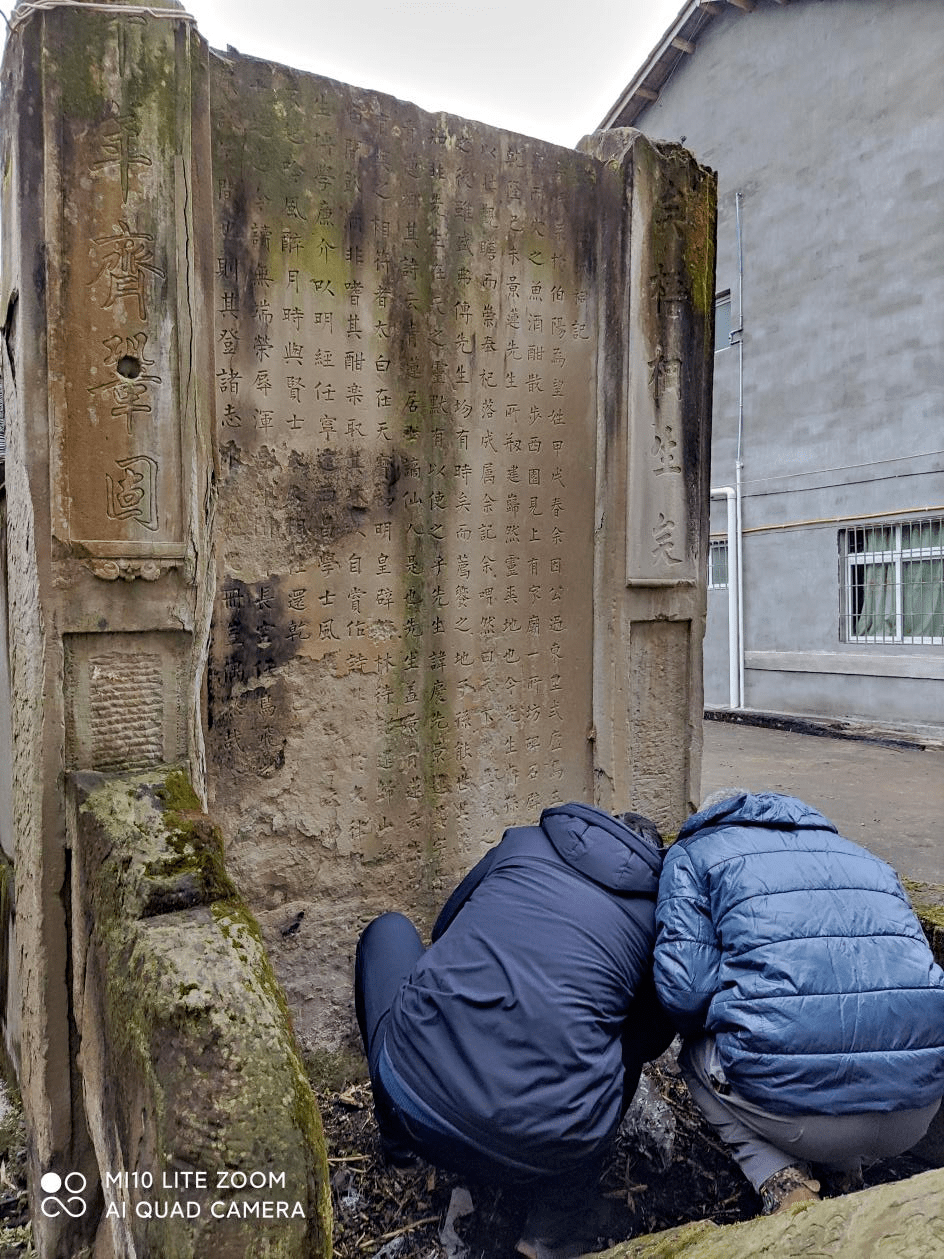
(23, 8)
(232, 55)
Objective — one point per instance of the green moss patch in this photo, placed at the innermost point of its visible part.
(195, 1032)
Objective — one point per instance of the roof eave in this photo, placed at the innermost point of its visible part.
(677, 43)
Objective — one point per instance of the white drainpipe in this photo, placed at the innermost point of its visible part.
(735, 663)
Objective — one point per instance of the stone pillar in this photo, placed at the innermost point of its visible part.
(655, 378)
(109, 427)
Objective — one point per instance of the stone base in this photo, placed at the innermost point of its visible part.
(206, 1133)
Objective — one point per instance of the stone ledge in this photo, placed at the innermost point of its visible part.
(189, 1063)
(890, 735)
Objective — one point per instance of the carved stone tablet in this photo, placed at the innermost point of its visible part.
(126, 707)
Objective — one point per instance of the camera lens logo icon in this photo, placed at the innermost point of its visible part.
(62, 1195)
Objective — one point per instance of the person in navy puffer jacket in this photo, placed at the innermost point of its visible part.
(812, 1006)
(510, 1048)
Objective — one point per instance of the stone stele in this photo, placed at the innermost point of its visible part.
(357, 469)
(462, 412)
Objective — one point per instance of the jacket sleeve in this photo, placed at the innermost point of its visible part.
(687, 956)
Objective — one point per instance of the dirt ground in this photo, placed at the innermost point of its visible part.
(890, 799)
(669, 1168)
(665, 1168)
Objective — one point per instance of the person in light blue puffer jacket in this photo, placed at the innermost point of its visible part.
(812, 1007)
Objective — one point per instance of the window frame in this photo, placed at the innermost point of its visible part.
(716, 546)
(897, 556)
(724, 299)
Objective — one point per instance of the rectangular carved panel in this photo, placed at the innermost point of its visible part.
(670, 301)
(118, 209)
(125, 700)
(660, 736)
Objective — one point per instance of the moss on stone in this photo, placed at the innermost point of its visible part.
(196, 1028)
(266, 129)
(194, 846)
(927, 900)
(151, 81)
(674, 1243)
(333, 1070)
(700, 245)
(78, 45)
(176, 794)
(683, 217)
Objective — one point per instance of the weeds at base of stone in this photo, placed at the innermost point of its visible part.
(17, 1243)
(666, 1169)
(16, 1233)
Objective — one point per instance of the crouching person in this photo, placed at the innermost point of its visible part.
(509, 1049)
(812, 1006)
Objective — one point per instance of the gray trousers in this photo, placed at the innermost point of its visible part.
(763, 1143)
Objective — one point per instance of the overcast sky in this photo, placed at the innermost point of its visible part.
(547, 69)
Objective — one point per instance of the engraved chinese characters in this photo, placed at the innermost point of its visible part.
(669, 281)
(118, 468)
(406, 342)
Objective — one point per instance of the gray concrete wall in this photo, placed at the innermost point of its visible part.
(827, 118)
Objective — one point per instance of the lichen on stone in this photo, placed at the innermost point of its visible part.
(195, 1029)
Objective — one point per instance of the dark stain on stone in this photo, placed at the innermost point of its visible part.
(247, 733)
(327, 494)
(257, 631)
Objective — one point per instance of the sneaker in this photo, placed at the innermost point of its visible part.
(787, 1187)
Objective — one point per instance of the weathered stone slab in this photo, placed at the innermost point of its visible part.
(201, 1116)
(445, 599)
(407, 326)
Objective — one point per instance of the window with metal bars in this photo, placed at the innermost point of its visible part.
(723, 321)
(717, 565)
(892, 582)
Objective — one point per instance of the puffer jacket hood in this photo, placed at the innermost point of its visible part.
(602, 848)
(764, 808)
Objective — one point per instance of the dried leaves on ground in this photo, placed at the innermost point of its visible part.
(666, 1168)
(15, 1231)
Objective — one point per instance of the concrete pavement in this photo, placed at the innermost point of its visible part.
(889, 799)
